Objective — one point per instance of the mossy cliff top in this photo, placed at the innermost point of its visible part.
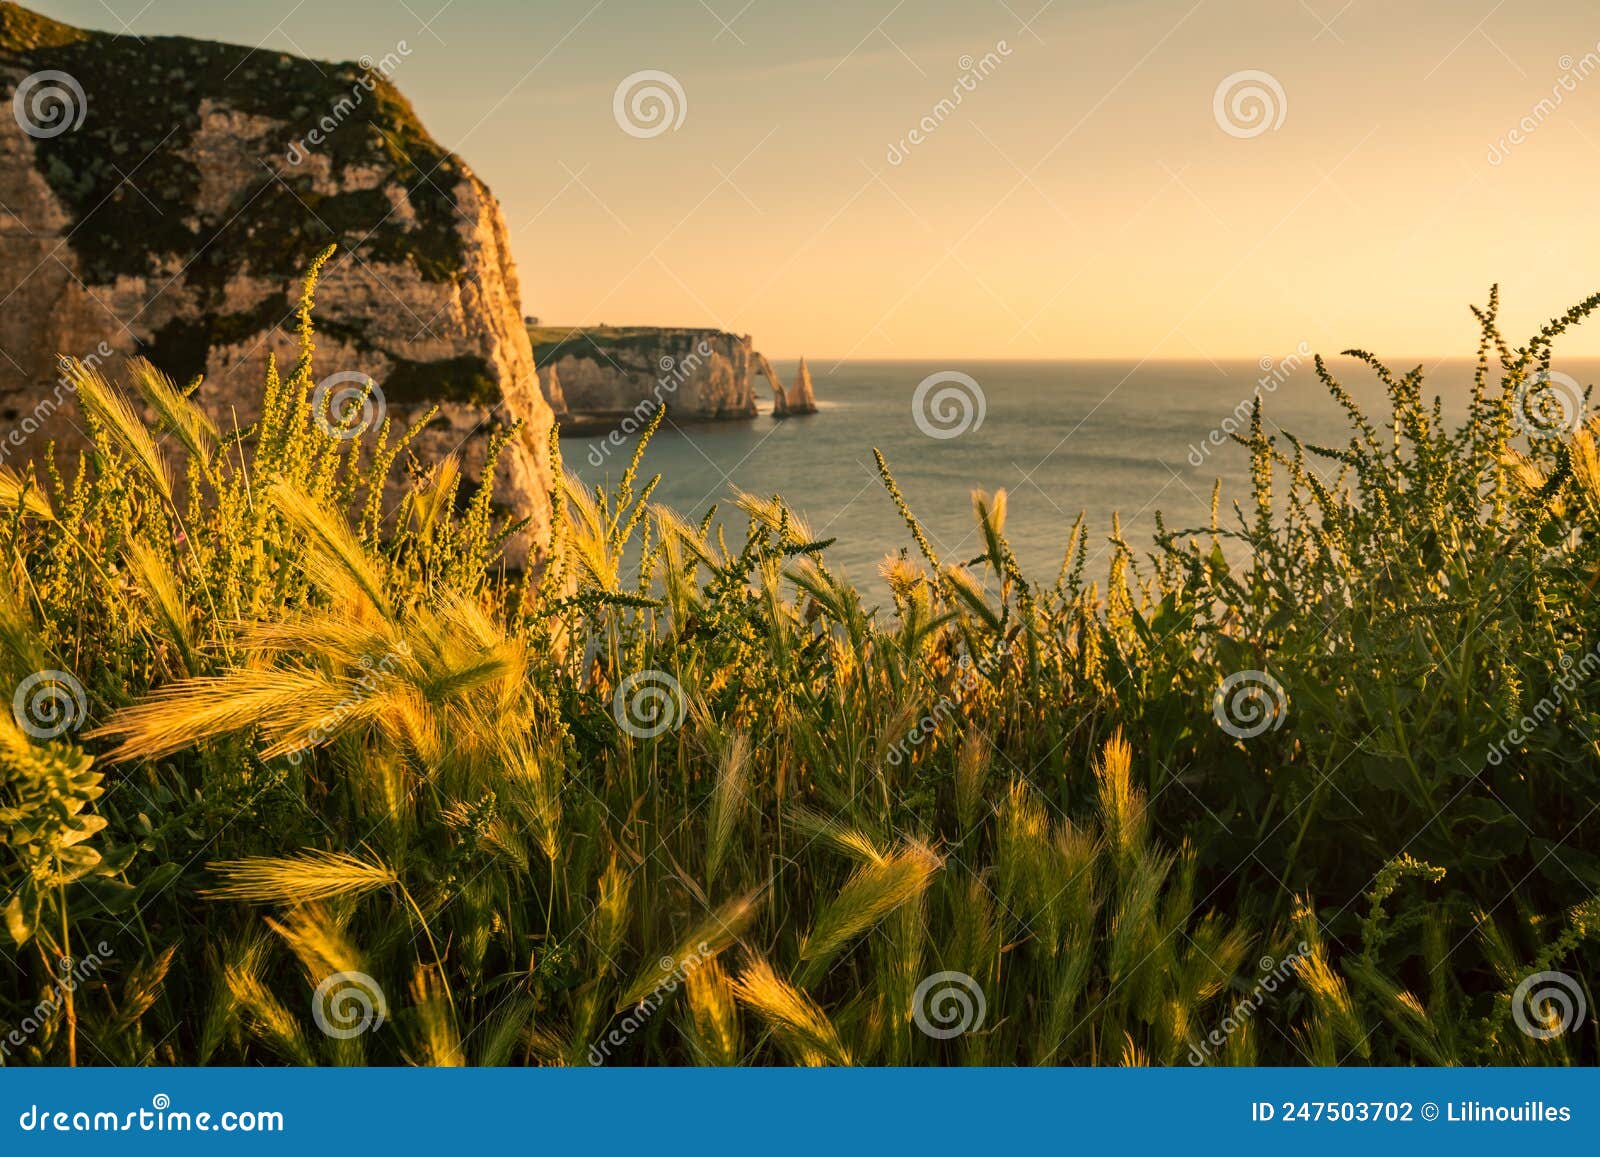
(622, 343)
(129, 177)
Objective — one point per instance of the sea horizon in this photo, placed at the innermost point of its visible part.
(1062, 436)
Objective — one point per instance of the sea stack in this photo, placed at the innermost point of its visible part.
(802, 397)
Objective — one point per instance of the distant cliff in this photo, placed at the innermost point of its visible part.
(164, 197)
(594, 376)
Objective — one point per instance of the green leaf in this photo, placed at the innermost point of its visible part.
(1387, 774)
(80, 829)
(18, 922)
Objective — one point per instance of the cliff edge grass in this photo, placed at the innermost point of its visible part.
(336, 794)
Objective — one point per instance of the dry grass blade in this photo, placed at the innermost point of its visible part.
(587, 535)
(972, 771)
(716, 933)
(990, 511)
(308, 877)
(776, 515)
(835, 597)
(185, 419)
(121, 423)
(1122, 807)
(279, 702)
(729, 801)
(263, 1014)
(161, 592)
(800, 1026)
(318, 938)
(438, 1040)
(500, 1037)
(430, 500)
(335, 637)
(867, 897)
(679, 532)
(966, 587)
(534, 786)
(18, 493)
(713, 1021)
(336, 562)
(853, 842)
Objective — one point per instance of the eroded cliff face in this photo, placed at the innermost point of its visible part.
(554, 395)
(595, 376)
(174, 209)
(604, 372)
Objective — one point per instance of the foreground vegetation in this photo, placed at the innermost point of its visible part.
(349, 791)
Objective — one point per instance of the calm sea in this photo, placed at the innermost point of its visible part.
(1059, 437)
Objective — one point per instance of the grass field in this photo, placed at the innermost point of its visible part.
(295, 779)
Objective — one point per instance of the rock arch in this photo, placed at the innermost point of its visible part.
(780, 400)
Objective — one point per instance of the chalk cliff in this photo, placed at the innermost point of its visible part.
(165, 196)
(594, 376)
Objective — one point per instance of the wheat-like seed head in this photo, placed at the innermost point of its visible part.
(307, 877)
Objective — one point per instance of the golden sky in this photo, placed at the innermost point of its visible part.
(1084, 198)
